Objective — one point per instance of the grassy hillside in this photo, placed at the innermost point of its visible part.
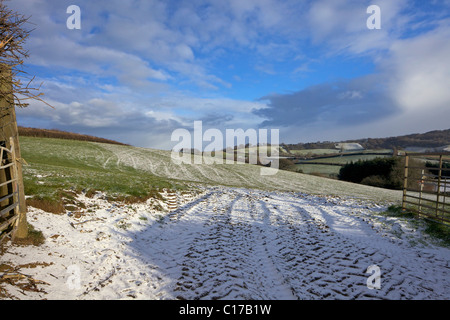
(58, 167)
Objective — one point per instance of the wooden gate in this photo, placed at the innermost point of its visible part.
(9, 191)
(426, 188)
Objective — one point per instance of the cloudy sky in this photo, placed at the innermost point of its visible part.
(138, 70)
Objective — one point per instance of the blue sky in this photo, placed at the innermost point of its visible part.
(138, 70)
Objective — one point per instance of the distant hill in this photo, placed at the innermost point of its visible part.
(58, 134)
(429, 140)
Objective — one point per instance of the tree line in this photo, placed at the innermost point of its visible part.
(58, 134)
(389, 172)
(378, 172)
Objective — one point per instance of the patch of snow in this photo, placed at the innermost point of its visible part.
(229, 243)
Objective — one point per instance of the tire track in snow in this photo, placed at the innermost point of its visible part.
(327, 258)
(248, 244)
(229, 260)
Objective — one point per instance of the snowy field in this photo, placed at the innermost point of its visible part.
(227, 243)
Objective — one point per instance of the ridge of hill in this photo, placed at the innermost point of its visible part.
(432, 139)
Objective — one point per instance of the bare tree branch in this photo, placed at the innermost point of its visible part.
(14, 81)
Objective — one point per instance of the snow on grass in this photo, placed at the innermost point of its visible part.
(107, 167)
(228, 243)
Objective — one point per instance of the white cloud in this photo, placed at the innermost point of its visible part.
(135, 43)
(408, 93)
(420, 71)
(342, 25)
(101, 61)
(149, 51)
(134, 118)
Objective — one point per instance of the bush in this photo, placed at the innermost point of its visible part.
(434, 168)
(375, 181)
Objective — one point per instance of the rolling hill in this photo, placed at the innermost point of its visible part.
(429, 140)
(80, 162)
(57, 165)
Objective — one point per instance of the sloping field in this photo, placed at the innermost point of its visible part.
(159, 163)
(96, 161)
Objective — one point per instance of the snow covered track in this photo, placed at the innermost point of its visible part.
(231, 243)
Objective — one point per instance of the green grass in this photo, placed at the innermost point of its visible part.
(434, 229)
(55, 166)
(58, 169)
(305, 152)
(34, 237)
(439, 230)
(325, 169)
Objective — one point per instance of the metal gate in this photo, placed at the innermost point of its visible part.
(426, 188)
(9, 191)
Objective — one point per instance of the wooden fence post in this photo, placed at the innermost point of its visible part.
(8, 129)
(422, 182)
(405, 183)
(439, 185)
